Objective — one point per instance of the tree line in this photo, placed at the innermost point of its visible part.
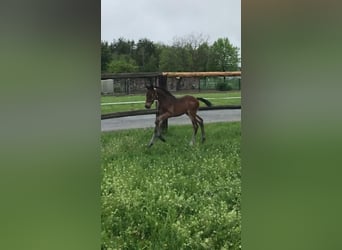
(189, 53)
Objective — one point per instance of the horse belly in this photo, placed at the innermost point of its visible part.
(184, 105)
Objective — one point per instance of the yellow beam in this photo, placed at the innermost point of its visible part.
(202, 74)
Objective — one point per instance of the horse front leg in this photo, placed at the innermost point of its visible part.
(156, 133)
(159, 122)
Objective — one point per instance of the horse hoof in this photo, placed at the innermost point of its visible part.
(149, 145)
(162, 138)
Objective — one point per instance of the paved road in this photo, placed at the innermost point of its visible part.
(147, 121)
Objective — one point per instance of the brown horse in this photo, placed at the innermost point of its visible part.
(170, 106)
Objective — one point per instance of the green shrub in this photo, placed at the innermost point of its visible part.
(223, 86)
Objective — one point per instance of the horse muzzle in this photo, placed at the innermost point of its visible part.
(148, 105)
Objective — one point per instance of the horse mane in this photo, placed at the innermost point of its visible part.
(166, 92)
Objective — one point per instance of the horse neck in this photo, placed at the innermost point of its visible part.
(164, 97)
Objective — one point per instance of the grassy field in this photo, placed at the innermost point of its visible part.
(105, 109)
(172, 195)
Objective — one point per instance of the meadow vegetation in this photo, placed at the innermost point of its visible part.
(172, 195)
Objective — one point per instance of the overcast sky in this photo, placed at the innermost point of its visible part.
(163, 20)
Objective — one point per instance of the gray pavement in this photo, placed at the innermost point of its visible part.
(147, 121)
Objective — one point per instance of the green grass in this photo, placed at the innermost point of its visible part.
(172, 195)
(105, 109)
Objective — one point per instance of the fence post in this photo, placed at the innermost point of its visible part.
(162, 83)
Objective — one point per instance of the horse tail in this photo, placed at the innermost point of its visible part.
(205, 101)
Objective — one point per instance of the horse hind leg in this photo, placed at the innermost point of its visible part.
(195, 128)
(201, 123)
(193, 139)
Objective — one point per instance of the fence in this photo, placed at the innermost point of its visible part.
(123, 86)
(130, 83)
(134, 83)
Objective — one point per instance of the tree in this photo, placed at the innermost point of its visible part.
(187, 53)
(122, 64)
(122, 47)
(193, 51)
(171, 59)
(223, 56)
(201, 57)
(146, 55)
(105, 56)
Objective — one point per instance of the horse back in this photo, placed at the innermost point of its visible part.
(187, 103)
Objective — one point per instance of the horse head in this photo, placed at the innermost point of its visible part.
(151, 95)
